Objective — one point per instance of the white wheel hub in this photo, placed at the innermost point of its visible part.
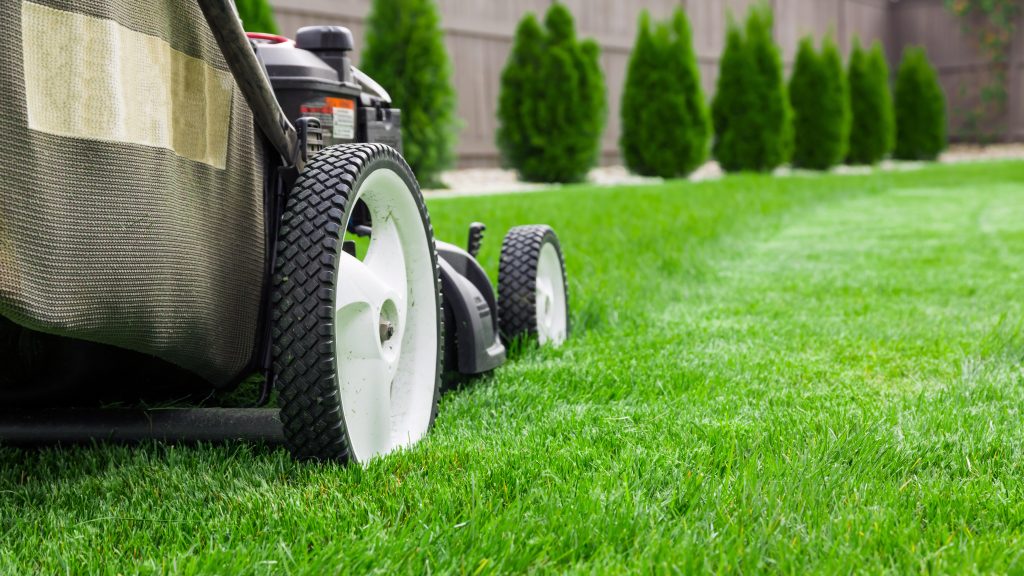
(552, 324)
(386, 324)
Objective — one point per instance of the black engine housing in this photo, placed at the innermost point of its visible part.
(313, 76)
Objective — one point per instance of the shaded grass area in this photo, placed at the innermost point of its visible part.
(801, 374)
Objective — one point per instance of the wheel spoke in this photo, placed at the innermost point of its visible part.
(385, 258)
(366, 366)
(366, 401)
(359, 285)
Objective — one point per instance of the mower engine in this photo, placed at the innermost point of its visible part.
(313, 77)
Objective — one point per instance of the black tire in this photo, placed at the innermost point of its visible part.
(517, 281)
(304, 287)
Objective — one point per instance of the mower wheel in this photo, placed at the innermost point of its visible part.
(532, 294)
(357, 343)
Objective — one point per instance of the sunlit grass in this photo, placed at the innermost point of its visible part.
(797, 375)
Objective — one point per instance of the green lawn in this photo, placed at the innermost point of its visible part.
(807, 374)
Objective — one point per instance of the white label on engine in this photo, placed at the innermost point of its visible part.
(344, 120)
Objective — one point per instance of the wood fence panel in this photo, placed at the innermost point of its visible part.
(867, 20)
(962, 68)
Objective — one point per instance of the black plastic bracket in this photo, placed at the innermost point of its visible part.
(311, 137)
(469, 297)
(476, 238)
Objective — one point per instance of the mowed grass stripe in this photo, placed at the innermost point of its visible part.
(799, 375)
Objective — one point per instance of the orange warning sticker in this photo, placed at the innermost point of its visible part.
(341, 103)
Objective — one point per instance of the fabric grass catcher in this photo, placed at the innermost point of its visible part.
(183, 206)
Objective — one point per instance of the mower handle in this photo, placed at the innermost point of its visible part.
(248, 73)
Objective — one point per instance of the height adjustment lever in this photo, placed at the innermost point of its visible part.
(476, 238)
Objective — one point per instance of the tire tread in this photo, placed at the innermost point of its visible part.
(309, 245)
(517, 279)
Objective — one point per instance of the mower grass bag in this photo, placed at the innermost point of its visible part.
(131, 184)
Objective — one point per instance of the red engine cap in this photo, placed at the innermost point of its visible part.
(269, 38)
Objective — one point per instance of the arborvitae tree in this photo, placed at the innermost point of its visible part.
(804, 95)
(664, 118)
(821, 117)
(729, 107)
(406, 54)
(563, 69)
(647, 106)
(878, 68)
(595, 98)
(920, 109)
(257, 16)
(770, 89)
(751, 110)
(697, 132)
(551, 107)
(519, 94)
(871, 122)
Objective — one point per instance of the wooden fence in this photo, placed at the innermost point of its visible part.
(963, 69)
(479, 36)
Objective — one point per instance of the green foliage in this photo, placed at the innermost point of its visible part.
(751, 111)
(257, 16)
(593, 96)
(872, 129)
(821, 114)
(878, 67)
(551, 108)
(920, 109)
(731, 100)
(406, 54)
(665, 124)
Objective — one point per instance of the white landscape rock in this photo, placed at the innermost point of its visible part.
(489, 181)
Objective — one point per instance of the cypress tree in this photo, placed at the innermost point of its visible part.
(772, 115)
(257, 16)
(562, 159)
(804, 89)
(751, 110)
(695, 128)
(878, 68)
(871, 132)
(643, 141)
(552, 103)
(664, 118)
(520, 94)
(838, 99)
(920, 109)
(731, 102)
(406, 54)
(594, 97)
(818, 94)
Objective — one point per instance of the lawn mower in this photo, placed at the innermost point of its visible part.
(184, 205)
